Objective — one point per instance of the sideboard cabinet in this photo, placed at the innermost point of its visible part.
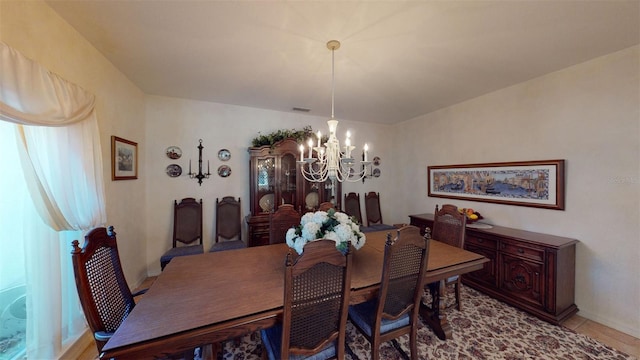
(275, 179)
(532, 271)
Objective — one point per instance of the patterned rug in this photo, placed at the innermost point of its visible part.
(485, 329)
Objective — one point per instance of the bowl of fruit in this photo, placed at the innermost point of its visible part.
(472, 215)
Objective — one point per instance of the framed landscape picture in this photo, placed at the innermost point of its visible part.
(124, 159)
(526, 183)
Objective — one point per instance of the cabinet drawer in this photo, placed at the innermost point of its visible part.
(520, 249)
(482, 242)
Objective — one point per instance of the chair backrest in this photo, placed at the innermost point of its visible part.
(325, 206)
(102, 288)
(316, 299)
(372, 208)
(449, 225)
(403, 271)
(280, 221)
(352, 206)
(228, 219)
(187, 222)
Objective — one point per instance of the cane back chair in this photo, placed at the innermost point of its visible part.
(449, 226)
(228, 225)
(316, 298)
(187, 230)
(352, 206)
(281, 221)
(102, 287)
(395, 311)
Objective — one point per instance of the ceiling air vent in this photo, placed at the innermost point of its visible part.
(301, 109)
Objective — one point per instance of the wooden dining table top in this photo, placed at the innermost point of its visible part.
(201, 297)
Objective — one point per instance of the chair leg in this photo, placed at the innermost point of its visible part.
(457, 290)
(210, 352)
(375, 349)
(413, 341)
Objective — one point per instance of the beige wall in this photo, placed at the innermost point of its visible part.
(586, 114)
(39, 33)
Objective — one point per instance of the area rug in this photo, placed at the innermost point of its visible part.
(485, 329)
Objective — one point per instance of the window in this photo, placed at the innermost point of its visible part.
(36, 270)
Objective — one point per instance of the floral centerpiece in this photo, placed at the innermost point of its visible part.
(331, 225)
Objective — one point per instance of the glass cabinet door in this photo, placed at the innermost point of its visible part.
(287, 181)
(266, 179)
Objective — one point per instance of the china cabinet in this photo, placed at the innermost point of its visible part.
(532, 271)
(275, 179)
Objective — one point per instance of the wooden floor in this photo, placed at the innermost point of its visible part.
(606, 335)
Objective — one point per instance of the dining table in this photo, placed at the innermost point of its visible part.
(217, 296)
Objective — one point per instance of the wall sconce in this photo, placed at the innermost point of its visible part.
(199, 175)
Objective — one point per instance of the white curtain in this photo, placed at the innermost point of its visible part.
(57, 140)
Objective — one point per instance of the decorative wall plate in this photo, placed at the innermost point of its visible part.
(224, 154)
(174, 170)
(174, 152)
(224, 171)
(376, 161)
(376, 172)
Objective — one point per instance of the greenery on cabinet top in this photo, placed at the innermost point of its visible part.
(300, 136)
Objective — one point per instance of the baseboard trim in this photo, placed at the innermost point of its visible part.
(612, 324)
(76, 349)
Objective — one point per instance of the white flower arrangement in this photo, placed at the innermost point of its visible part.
(331, 225)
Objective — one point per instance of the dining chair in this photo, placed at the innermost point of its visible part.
(102, 288)
(449, 226)
(228, 225)
(352, 206)
(372, 208)
(187, 230)
(395, 310)
(281, 221)
(316, 298)
(374, 215)
(325, 206)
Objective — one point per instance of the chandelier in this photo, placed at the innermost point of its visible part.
(329, 161)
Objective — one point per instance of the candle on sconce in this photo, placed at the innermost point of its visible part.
(319, 138)
(189, 166)
(301, 152)
(366, 149)
(310, 143)
(347, 145)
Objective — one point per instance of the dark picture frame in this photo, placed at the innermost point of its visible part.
(537, 183)
(124, 159)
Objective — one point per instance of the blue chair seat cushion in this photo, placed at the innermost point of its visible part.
(272, 340)
(364, 314)
(181, 251)
(228, 245)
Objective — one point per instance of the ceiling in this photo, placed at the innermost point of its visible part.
(398, 59)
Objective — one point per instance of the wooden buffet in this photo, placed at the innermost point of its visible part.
(532, 271)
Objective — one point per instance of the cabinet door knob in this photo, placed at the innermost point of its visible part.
(480, 240)
(520, 251)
